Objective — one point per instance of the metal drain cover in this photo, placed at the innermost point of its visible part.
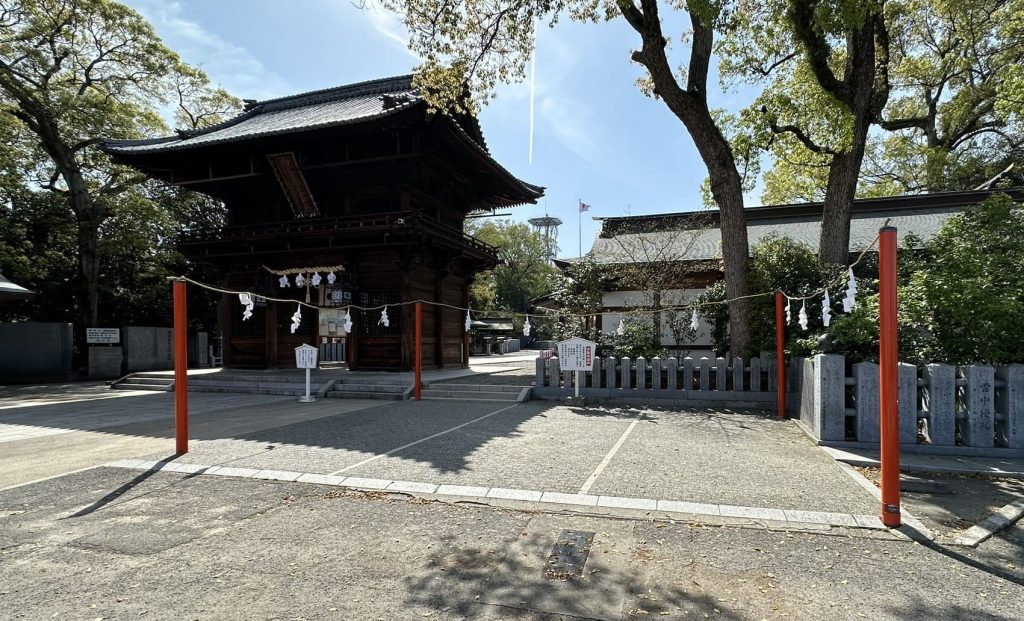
(569, 555)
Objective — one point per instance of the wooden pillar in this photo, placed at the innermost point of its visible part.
(408, 318)
(271, 332)
(225, 328)
(465, 334)
(439, 312)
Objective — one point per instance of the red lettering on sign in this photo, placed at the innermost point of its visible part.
(590, 353)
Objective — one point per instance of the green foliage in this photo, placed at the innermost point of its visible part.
(578, 292)
(639, 338)
(524, 271)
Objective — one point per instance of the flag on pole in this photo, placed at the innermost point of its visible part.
(584, 207)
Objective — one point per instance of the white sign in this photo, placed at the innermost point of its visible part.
(102, 335)
(576, 354)
(305, 357)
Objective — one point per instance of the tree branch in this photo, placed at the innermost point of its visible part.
(801, 16)
(797, 132)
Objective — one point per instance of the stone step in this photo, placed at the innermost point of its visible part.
(152, 381)
(370, 388)
(466, 398)
(250, 386)
(152, 387)
(375, 381)
(480, 395)
(352, 394)
(279, 391)
(475, 387)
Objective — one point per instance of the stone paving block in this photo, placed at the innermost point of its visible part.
(126, 463)
(185, 468)
(363, 483)
(277, 475)
(570, 499)
(148, 465)
(411, 486)
(841, 519)
(869, 521)
(321, 479)
(806, 517)
(627, 503)
(514, 494)
(679, 506)
(225, 471)
(755, 513)
(463, 490)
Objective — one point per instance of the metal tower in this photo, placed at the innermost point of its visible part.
(548, 228)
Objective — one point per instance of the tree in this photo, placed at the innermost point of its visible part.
(483, 42)
(73, 72)
(524, 271)
(951, 122)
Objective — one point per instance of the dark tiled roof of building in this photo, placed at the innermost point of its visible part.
(330, 107)
(10, 290)
(695, 236)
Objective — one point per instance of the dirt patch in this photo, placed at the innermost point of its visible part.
(951, 503)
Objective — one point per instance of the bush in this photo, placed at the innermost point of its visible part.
(640, 338)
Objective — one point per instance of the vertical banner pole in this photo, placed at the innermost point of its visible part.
(578, 376)
(888, 360)
(780, 353)
(180, 370)
(419, 349)
(307, 385)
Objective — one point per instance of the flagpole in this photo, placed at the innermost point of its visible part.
(579, 226)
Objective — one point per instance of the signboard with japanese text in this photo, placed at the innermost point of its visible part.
(102, 335)
(576, 354)
(305, 357)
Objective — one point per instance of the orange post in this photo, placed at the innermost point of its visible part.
(780, 353)
(180, 370)
(888, 358)
(418, 363)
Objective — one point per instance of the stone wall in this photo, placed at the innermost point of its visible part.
(36, 351)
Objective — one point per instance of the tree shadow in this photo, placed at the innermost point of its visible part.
(465, 580)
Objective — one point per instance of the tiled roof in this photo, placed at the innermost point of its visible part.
(9, 289)
(316, 109)
(702, 243)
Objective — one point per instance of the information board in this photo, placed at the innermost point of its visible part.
(102, 335)
(305, 357)
(576, 354)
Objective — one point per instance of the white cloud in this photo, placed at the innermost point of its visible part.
(230, 65)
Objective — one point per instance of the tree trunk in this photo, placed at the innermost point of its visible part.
(843, 174)
(88, 273)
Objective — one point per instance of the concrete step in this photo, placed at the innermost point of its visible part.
(152, 381)
(370, 388)
(126, 385)
(474, 387)
(426, 398)
(279, 391)
(375, 381)
(352, 394)
(478, 395)
(252, 386)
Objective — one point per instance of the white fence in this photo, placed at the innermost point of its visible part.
(737, 381)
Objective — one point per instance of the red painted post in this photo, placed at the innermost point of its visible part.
(180, 370)
(419, 349)
(888, 360)
(780, 353)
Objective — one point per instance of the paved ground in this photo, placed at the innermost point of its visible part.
(119, 544)
(730, 458)
(46, 432)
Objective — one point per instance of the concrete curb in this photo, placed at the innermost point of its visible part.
(912, 528)
(1001, 519)
(870, 462)
(533, 500)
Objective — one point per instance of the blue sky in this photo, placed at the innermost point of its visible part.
(596, 137)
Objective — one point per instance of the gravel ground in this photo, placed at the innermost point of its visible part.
(116, 544)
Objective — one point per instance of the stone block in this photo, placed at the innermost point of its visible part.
(672, 366)
(627, 368)
(641, 372)
(829, 397)
(1011, 404)
(737, 374)
(979, 400)
(721, 373)
(705, 374)
(105, 362)
(609, 372)
(940, 402)
(755, 375)
(553, 372)
(540, 377)
(866, 401)
(907, 387)
(656, 373)
(687, 374)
